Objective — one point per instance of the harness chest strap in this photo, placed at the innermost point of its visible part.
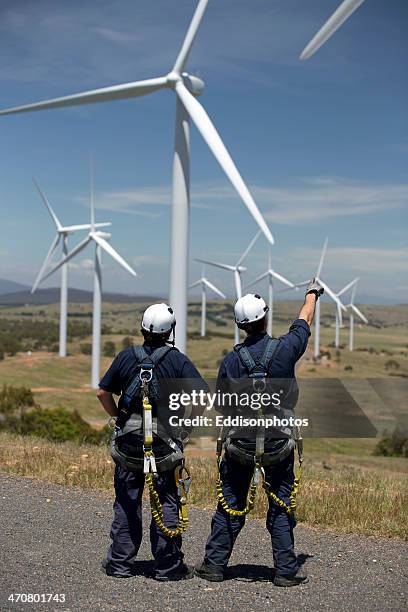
(149, 468)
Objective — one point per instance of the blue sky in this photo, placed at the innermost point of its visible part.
(322, 144)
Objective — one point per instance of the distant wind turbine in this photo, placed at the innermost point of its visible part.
(100, 241)
(205, 284)
(339, 306)
(271, 275)
(341, 14)
(63, 231)
(236, 270)
(186, 87)
(353, 310)
(339, 320)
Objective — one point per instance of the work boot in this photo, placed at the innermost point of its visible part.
(109, 571)
(209, 572)
(186, 572)
(290, 579)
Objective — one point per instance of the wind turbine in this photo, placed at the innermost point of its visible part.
(186, 87)
(340, 15)
(63, 231)
(353, 310)
(339, 306)
(100, 241)
(339, 319)
(237, 271)
(271, 275)
(205, 284)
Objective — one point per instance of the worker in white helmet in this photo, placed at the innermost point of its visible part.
(274, 358)
(157, 352)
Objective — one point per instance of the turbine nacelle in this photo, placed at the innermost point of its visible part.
(194, 84)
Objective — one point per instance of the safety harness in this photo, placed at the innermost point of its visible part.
(258, 372)
(145, 385)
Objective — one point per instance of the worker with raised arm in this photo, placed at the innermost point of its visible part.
(274, 358)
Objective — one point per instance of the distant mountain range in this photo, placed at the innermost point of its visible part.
(15, 294)
(7, 286)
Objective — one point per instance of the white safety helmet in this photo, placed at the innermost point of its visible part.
(158, 319)
(249, 309)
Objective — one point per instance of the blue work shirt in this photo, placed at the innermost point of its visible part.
(173, 366)
(290, 348)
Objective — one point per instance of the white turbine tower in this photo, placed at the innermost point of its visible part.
(271, 275)
(237, 271)
(205, 284)
(341, 14)
(100, 241)
(63, 231)
(186, 88)
(353, 310)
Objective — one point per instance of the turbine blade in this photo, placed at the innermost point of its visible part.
(85, 226)
(217, 265)
(190, 36)
(195, 284)
(359, 313)
(214, 288)
(353, 294)
(331, 294)
(91, 184)
(347, 287)
(116, 92)
(296, 286)
(322, 256)
(79, 247)
(249, 247)
(341, 14)
(46, 261)
(257, 279)
(340, 315)
(111, 251)
(213, 140)
(48, 205)
(282, 279)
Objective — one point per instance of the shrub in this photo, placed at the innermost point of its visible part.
(86, 348)
(348, 368)
(391, 364)
(109, 349)
(15, 399)
(127, 342)
(394, 446)
(59, 425)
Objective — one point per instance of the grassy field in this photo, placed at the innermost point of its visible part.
(57, 382)
(343, 489)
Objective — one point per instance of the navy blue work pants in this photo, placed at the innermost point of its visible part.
(225, 528)
(126, 530)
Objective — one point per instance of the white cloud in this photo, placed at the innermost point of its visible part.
(309, 200)
(139, 261)
(317, 199)
(85, 264)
